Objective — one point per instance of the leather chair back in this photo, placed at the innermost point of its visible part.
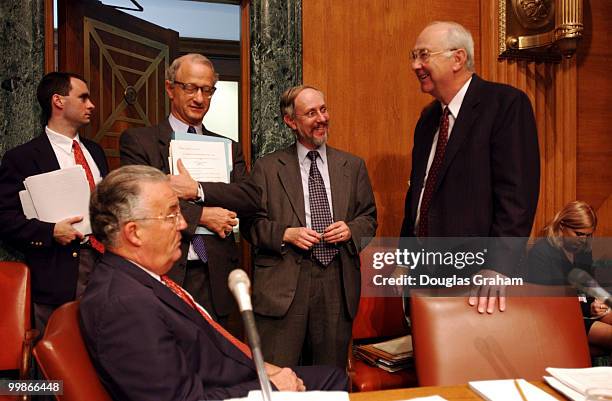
(454, 344)
(15, 319)
(61, 355)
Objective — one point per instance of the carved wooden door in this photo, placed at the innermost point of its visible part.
(123, 60)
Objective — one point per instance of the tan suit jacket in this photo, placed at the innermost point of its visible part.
(277, 267)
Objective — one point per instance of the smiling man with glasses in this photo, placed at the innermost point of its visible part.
(207, 259)
(475, 160)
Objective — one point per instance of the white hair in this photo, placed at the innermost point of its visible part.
(457, 37)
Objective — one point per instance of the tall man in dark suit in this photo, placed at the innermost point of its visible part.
(190, 85)
(475, 160)
(59, 257)
(147, 337)
(318, 213)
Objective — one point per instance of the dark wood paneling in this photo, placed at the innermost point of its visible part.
(594, 159)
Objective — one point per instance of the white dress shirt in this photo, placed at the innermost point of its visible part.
(62, 147)
(179, 126)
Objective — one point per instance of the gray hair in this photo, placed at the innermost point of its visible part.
(194, 58)
(457, 37)
(287, 100)
(116, 200)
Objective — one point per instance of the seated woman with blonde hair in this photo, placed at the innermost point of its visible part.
(567, 245)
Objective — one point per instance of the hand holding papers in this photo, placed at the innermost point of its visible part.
(183, 184)
(60, 196)
(207, 158)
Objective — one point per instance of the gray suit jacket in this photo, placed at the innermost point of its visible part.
(150, 146)
(277, 268)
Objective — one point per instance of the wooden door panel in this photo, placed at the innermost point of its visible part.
(123, 59)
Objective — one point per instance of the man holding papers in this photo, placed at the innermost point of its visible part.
(59, 259)
(208, 258)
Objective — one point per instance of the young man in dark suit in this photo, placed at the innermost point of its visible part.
(59, 257)
(147, 337)
(475, 160)
(190, 85)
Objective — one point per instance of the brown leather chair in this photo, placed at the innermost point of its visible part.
(454, 344)
(61, 355)
(378, 318)
(16, 333)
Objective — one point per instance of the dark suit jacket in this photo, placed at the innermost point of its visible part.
(489, 182)
(277, 270)
(150, 146)
(148, 344)
(490, 178)
(54, 267)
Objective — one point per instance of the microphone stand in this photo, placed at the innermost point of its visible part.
(254, 343)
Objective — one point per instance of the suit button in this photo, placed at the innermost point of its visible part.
(74, 254)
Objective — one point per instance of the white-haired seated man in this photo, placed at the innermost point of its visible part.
(146, 336)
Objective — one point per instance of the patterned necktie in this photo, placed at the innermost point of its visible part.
(432, 176)
(182, 294)
(320, 214)
(79, 158)
(197, 241)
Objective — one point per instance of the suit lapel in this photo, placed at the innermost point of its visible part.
(425, 142)
(291, 180)
(100, 163)
(46, 160)
(468, 113)
(164, 132)
(339, 182)
(173, 301)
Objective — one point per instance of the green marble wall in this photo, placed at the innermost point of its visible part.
(276, 64)
(22, 67)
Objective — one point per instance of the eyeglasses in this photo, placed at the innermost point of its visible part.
(175, 216)
(423, 55)
(192, 89)
(313, 113)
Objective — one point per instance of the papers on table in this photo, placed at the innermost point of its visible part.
(392, 355)
(58, 195)
(506, 390)
(574, 382)
(297, 396)
(207, 158)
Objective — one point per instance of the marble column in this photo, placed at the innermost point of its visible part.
(22, 50)
(276, 64)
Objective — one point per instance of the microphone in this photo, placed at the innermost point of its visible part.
(239, 284)
(587, 284)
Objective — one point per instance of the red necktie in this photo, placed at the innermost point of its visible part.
(79, 158)
(432, 176)
(182, 294)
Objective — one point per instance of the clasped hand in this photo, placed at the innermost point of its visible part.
(305, 238)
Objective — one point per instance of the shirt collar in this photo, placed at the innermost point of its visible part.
(154, 275)
(302, 152)
(61, 141)
(455, 105)
(179, 126)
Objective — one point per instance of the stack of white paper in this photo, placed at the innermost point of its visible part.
(296, 396)
(574, 383)
(207, 158)
(506, 390)
(58, 195)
